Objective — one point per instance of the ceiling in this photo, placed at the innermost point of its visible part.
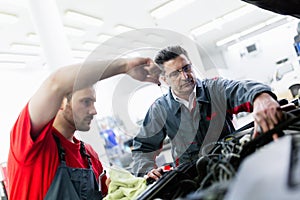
(23, 38)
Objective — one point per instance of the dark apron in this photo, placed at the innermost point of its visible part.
(73, 183)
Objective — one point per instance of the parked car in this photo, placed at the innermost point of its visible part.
(286, 79)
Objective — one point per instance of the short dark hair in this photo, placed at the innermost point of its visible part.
(169, 53)
(69, 96)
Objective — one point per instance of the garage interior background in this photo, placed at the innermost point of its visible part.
(241, 41)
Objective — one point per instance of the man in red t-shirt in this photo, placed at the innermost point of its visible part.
(42, 144)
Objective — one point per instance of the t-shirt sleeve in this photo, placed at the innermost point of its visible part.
(22, 146)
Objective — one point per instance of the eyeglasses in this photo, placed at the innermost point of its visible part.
(186, 69)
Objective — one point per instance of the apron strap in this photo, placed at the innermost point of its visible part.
(84, 153)
(61, 151)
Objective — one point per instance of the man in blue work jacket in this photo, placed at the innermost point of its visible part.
(196, 112)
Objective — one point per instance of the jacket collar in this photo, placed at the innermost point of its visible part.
(201, 97)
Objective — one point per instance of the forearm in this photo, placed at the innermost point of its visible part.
(142, 163)
(146, 147)
(78, 76)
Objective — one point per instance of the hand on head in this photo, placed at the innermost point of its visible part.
(143, 69)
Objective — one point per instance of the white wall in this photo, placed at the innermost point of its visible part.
(273, 45)
(16, 88)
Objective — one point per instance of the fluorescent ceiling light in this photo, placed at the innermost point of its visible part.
(88, 19)
(262, 25)
(275, 19)
(12, 65)
(155, 38)
(220, 21)
(32, 37)
(25, 47)
(217, 23)
(238, 12)
(18, 57)
(74, 31)
(250, 30)
(168, 8)
(7, 18)
(238, 35)
(122, 28)
(228, 39)
(103, 37)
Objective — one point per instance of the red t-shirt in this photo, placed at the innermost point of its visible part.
(32, 164)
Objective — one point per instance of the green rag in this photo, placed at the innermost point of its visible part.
(123, 185)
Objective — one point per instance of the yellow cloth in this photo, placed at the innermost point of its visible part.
(124, 186)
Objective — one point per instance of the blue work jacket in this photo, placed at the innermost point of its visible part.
(189, 131)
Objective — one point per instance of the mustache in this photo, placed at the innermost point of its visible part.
(189, 80)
